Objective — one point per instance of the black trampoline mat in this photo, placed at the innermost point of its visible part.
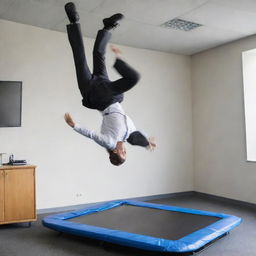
(158, 223)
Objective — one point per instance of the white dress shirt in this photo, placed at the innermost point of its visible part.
(116, 126)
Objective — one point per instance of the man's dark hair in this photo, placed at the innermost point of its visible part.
(115, 159)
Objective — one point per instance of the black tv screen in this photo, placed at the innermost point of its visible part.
(10, 103)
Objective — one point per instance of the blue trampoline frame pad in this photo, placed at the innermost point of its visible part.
(189, 243)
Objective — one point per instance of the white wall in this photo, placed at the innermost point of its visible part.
(69, 164)
(218, 123)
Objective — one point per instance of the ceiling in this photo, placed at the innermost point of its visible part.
(223, 20)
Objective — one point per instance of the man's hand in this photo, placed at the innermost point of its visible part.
(152, 144)
(69, 120)
(116, 51)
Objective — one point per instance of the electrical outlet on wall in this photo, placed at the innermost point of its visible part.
(79, 194)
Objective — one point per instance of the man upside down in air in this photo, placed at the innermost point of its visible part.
(100, 93)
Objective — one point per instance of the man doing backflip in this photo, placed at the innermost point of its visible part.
(100, 93)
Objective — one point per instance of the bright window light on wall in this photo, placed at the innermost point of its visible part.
(249, 81)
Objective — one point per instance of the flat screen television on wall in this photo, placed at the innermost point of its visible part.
(10, 103)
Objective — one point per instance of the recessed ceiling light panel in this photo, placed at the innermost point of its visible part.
(180, 24)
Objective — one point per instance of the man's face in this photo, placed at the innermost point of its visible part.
(120, 150)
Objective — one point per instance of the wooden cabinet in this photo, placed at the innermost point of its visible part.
(1, 195)
(17, 194)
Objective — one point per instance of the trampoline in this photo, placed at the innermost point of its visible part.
(146, 226)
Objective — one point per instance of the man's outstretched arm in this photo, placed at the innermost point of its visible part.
(98, 138)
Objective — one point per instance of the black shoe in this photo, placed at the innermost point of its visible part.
(72, 14)
(112, 22)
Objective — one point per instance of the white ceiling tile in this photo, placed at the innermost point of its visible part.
(44, 13)
(87, 5)
(35, 12)
(242, 5)
(170, 40)
(223, 17)
(90, 23)
(61, 26)
(5, 5)
(158, 38)
(224, 20)
(149, 11)
(204, 38)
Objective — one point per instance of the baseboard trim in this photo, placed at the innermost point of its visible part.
(225, 200)
(155, 197)
(143, 198)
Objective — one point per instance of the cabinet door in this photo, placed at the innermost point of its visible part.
(1, 195)
(19, 194)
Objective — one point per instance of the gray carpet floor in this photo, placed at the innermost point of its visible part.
(19, 240)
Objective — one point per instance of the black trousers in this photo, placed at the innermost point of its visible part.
(97, 90)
